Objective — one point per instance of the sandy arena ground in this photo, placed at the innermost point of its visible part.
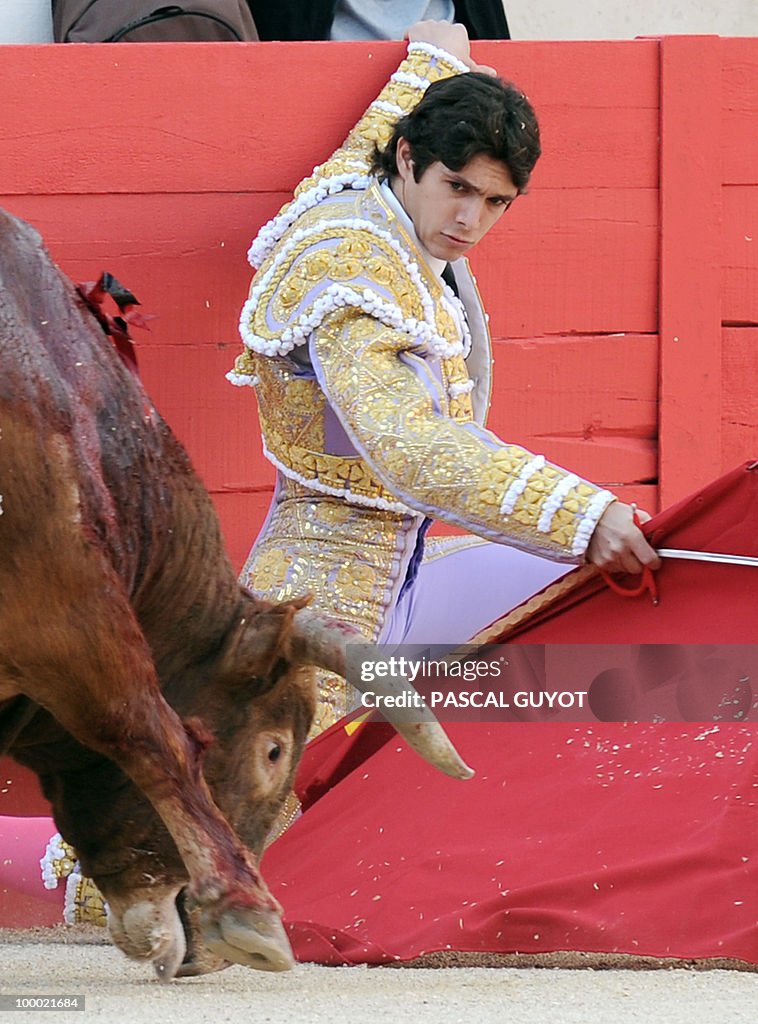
(118, 991)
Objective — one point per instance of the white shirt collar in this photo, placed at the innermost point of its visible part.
(398, 209)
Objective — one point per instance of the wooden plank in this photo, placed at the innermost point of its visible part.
(165, 118)
(561, 261)
(242, 515)
(215, 421)
(184, 256)
(739, 140)
(598, 104)
(645, 496)
(739, 255)
(170, 117)
(572, 260)
(582, 385)
(739, 409)
(22, 910)
(588, 403)
(690, 300)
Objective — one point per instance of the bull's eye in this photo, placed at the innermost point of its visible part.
(274, 753)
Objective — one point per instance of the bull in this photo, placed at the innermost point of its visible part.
(162, 706)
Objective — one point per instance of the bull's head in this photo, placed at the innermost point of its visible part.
(256, 696)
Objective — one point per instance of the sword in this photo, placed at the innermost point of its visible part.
(706, 556)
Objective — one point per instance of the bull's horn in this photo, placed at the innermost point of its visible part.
(318, 640)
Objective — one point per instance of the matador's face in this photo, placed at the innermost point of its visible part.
(452, 210)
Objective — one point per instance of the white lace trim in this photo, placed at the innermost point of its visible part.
(408, 78)
(338, 492)
(518, 486)
(461, 317)
(454, 390)
(389, 108)
(594, 511)
(270, 233)
(555, 501)
(55, 852)
(243, 380)
(70, 905)
(336, 296)
(434, 51)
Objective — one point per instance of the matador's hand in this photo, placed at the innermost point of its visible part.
(618, 544)
(452, 38)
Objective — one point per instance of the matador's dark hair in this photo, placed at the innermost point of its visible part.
(461, 117)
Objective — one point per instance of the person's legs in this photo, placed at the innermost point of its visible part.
(464, 584)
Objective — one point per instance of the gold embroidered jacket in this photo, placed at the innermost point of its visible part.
(367, 375)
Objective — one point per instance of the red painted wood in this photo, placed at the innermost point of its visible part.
(612, 86)
(645, 496)
(690, 304)
(560, 261)
(739, 256)
(572, 260)
(184, 256)
(739, 408)
(739, 135)
(242, 513)
(586, 402)
(217, 422)
(228, 119)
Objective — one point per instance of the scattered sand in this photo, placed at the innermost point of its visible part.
(118, 991)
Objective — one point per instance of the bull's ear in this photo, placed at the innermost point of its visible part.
(258, 645)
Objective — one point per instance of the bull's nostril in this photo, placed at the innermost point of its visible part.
(275, 753)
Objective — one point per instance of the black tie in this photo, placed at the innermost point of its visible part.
(449, 278)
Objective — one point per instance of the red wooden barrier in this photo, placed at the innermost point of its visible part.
(159, 163)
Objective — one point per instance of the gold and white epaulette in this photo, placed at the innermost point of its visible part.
(344, 254)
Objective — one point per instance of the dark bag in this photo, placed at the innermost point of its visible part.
(142, 21)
